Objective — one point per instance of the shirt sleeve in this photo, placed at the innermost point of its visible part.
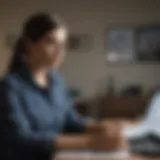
(74, 122)
(20, 132)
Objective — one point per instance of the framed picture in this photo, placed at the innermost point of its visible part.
(121, 46)
(148, 44)
(79, 42)
(140, 44)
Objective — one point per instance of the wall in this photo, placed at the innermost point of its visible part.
(89, 70)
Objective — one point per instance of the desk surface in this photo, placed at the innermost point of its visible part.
(106, 158)
(85, 157)
(88, 155)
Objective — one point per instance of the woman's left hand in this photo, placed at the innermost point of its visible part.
(112, 129)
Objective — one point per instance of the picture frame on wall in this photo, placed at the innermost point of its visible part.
(79, 43)
(121, 46)
(148, 44)
(139, 44)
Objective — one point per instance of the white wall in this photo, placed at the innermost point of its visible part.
(92, 17)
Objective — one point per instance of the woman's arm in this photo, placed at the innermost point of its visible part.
(19, 130)
(20, 133)
(76, 123)
(93, 141)
(72, 142)
(97, 135)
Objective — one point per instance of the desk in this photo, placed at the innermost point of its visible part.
(92, 156)
(86, 156)
(143, 158)
(78, 157)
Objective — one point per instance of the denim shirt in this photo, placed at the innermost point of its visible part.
(33, 117)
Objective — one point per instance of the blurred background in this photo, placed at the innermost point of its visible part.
(93, 68)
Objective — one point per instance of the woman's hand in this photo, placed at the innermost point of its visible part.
(107, 141)
(107, 136)
(101, 142)
(111, 128)
(101, 136)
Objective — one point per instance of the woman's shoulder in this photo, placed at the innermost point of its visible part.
(10, 81)
(9, 85)
(6, 84)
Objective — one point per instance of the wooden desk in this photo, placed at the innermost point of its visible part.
(89, 156)
(85, 157)
(132, 157)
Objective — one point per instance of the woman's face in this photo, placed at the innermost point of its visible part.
(50, 50)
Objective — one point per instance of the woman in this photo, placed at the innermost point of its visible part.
(35, 105)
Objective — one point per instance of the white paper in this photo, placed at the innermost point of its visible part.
(150, 123)
(87, 155)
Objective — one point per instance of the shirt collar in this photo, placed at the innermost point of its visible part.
(26, 74)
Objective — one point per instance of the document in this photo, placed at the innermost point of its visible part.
(150, 124)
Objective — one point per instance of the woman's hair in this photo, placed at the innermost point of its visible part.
(33, 29)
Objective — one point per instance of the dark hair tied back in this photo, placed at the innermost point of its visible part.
(33, 29)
